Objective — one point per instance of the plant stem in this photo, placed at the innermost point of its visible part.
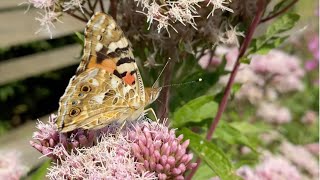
(90, 6)
(279, 12)
(261, 7)
(77, 17)
(113, 8)
(165, 92)
(95, 5)
(101, 5)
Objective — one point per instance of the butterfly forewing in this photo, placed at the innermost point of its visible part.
(107, 86)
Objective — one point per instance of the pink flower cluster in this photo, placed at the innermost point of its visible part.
(313, 46)
(159, 150)
(301, 157)
(294, 163)
(143, 150)
(10, 166)
(283, 70)
(274, 113)
(263, 80)
(271, 168)
(109, 159)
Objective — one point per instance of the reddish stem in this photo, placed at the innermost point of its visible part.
(165, 93)
(279, 12)
(261, 6)
(113, 8)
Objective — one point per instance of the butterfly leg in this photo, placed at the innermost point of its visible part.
(152, 112)
(121, 127)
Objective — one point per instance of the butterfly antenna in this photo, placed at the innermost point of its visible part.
(161, 72)
(179, 84)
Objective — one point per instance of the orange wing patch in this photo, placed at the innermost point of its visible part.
(108, 64)
(129, 79)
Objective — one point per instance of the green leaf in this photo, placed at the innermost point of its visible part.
(247, 128)
(195, 110)
(284, 23)
(279, 6)
(272, 38)
(41, 172)
(204, 173)
(231, 135)
(211, 155)
(80, 37)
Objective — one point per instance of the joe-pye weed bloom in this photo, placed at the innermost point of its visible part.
(142, 150)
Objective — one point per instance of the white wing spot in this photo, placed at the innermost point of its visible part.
(114, 83)
(98, 98)
(99, 46)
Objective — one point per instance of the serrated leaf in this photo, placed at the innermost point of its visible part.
(211, 155)
(272, 38)
(231, 135)
(195, 110)
(41, 172)
(284, 23)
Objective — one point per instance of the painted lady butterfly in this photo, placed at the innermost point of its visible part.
(107, 86)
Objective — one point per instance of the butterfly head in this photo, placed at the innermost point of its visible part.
(152, 94)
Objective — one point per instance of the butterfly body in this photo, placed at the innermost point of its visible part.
(107, 86)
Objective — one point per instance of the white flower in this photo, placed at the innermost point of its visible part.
(41, 4)
(72, 4)
(218, 4)
(230, 36)
(46, 21)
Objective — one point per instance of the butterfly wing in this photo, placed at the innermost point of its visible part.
(107, 86)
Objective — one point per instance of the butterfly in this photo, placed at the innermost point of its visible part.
(107, 86)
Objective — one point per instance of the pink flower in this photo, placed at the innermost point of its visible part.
(151, 150)
(274, 113)
(10, 166)
(312, 148)
(310, 117)
(301, 157)
(283, 70)
(311, 65)
(276, 168)
(313, 46)
(272, 167)
(209, 61)
(109, 159)
(49, 138)
(158, 150)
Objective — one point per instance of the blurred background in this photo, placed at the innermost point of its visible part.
(35, 70)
